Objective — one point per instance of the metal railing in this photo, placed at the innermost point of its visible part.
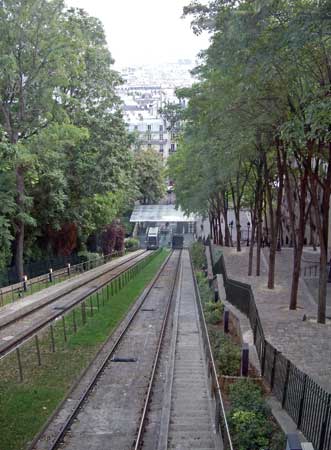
(306, 402)
(19, 290)
(221, 424)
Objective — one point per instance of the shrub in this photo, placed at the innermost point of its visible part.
(88, 256)
(250, 430)
(228, 357)
(213, 312)
(206, 293)
(244, 394)
(131, 244)
(250, 420)
(198, 255)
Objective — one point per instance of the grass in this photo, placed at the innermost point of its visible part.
(25, 406)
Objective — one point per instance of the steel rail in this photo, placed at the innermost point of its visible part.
(69, 291)
(138, 441)
(67, 424)
(26, 336)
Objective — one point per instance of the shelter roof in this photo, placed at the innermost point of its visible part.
(159, 213)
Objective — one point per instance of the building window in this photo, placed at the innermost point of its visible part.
(136, 127)
(173, 135)
(161, 128)
(161, 148)
(149, 136)
(149, 127)
(161, 136)
(172, 148)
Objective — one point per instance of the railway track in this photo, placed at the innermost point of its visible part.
(25, 322)
(153, 388)
(107, 412)
(178, 411)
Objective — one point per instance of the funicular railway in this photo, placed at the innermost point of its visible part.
(152, 388)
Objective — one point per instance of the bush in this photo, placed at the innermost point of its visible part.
(131, 244)
(250, 430)
(88, 256)
(228, 357)
(244, 394)
(227, 354)
(198, 255)
(213, 312)
(250, 420)
(206, 293)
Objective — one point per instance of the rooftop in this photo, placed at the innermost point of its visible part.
(159, 213)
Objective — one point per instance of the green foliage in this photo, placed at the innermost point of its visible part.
(88, 256)
(227, 354)
(213, 312)
(250, 420)
(64, 148)
(206, 293)
(131, 244)
(150, 176)
(245, 394)
(250, 431)
(198, 255)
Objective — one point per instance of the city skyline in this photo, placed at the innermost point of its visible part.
(146, 31)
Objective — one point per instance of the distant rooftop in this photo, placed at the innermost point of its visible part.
(159, 213)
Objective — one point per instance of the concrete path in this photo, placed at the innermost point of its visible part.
(306, 343)
(190, 413)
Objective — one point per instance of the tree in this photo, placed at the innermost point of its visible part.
(62, 120)
(150, 178)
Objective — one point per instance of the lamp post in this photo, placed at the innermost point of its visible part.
(248, 226)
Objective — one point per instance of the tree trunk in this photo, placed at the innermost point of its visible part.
(322, 223)
(297, 234)
(224, 208)
(259, 208)
(19, 224)
(274, 221)
(238, 230)
(251, 248)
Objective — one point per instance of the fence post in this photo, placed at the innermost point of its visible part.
(74, 321)
(326, 419)
(52, 338)
(83, 313)
(288, 368)
(292, 442)
(64, 329)
(38, 349)
(226, 320)
(273, 370)
(25, 284)
(302, 400)
(244, 360)
(255, 330)
(50, 275)
(263, 357)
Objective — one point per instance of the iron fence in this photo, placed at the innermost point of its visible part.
(306, 402)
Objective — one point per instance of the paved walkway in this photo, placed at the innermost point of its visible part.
(306, 343)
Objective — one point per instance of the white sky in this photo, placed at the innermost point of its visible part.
(145, 31)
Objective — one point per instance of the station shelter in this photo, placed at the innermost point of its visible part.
(169, 219)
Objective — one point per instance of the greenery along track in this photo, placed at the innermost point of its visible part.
(25, 407)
